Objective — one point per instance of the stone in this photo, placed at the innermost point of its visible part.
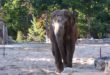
(107, 67)
(103, 64)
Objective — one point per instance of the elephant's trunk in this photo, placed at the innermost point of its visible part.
(59, 35)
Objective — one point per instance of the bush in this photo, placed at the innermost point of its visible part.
(19, 36)
(98, 29)
(36, 32)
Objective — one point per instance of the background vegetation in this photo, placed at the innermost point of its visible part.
(26, 19)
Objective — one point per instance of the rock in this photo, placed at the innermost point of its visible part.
(10, 40)
(102, 64)
(107, 67)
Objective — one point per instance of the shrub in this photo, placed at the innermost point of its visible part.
(19, 36)
(36, 32)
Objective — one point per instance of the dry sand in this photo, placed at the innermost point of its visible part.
(37, 59)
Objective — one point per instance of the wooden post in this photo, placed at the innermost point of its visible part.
(3, 32)
(100, 53)
(4, 40)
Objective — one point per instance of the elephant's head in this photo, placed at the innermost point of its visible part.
(61, 18)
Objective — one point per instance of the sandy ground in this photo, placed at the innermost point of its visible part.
(37, 59)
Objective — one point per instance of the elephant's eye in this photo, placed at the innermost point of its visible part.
(59, 19)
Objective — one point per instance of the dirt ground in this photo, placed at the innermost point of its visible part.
(37, 59)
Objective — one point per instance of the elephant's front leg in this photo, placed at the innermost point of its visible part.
(57, 56)
(56, 52)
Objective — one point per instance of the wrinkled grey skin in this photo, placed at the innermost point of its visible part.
(63, 35)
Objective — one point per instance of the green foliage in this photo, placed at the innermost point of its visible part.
(99, 25)
(98, 29)
(36, 32)
(16, 16)
(82, 27)
(93, 16)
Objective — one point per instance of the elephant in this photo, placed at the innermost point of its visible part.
(63, 36)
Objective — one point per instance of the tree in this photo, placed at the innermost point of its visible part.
(91, 14)
(16, 16)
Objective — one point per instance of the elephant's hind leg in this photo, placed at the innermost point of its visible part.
(70, 50)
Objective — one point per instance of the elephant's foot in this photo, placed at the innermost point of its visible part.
(59, 68)
(67, 64)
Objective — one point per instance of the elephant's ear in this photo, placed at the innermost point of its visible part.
(75, 15)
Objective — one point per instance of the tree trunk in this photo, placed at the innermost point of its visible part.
(89, 19)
